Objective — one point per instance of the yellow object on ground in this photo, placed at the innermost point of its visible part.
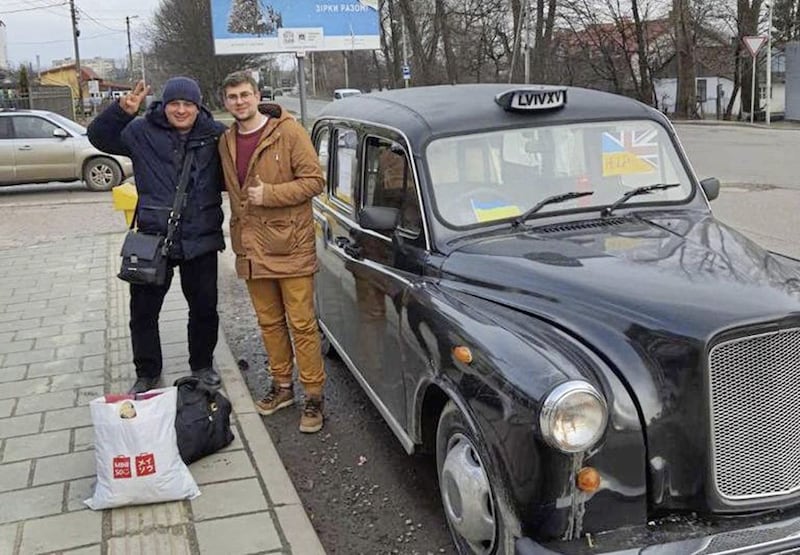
(124, 197)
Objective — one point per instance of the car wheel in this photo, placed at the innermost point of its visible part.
(101, 174)
(469, 495)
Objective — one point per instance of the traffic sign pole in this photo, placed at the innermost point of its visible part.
(753, 91)
(754, 44)
(769, 64)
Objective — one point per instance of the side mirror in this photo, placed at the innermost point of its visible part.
(710, 187)
(60, 133)
(379, 218)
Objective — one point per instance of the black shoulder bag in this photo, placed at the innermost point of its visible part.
(203, 419)
(145, 255)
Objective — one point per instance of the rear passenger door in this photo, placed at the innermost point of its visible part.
(7, 172)
(39, 154)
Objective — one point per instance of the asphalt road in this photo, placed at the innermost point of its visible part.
(363, 493)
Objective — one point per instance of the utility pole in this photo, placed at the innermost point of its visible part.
(130, 52)
(405, 50)
(769, 64)
(75, 34)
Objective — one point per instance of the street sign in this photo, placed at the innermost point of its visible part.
(406, 72)
(754, 44)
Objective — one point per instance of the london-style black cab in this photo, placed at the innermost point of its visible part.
(529, 283)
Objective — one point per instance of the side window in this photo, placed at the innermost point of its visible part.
(323, 146)
(346, 165)
(29, 127)
(389, 182)
(5, 128)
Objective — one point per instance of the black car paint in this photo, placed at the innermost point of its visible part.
(574, 297)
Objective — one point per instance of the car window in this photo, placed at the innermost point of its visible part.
(5, 128)
(323, 140)
(32, 127)
(346, 164)
(389, 182)
(484, 177)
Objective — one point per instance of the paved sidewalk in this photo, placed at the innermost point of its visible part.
(64, 340)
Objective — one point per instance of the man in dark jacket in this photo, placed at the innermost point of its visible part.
(157, 144)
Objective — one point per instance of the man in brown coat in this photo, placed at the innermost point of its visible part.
(272, 172)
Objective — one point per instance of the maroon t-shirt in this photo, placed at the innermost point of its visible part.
(245, 146)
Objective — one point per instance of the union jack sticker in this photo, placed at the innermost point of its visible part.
(630, 152)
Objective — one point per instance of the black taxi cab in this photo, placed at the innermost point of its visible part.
(529, 283)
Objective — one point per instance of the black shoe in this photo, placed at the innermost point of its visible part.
(144, 384)
(208, 376)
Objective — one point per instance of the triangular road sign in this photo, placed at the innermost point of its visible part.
(754, 44)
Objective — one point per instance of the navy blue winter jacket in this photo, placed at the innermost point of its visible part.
(156, 149)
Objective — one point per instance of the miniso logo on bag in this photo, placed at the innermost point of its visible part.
(145, 466)
(122, 467)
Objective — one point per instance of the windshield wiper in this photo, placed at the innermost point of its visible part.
(555, 199)
(646, 189)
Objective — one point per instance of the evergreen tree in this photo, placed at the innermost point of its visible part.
(247, 17)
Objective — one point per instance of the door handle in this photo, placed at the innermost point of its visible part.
(25, 147)
(347, 245)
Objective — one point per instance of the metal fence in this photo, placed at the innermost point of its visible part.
(53, 99)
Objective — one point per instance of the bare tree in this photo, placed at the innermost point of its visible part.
(180, 35)
(684, 53)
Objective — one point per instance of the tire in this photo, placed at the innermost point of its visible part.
(101, 174)
(469, 493)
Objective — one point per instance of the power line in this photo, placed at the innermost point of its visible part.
(67, 40)
(89, 17)
(34, 8)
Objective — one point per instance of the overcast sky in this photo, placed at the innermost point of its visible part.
(44, 28)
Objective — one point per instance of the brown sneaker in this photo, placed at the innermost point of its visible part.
(311, 420)
(276, 398)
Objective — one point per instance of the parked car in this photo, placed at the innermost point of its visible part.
(339, 94)
(529, 284)
(267, 94)
(37, 146)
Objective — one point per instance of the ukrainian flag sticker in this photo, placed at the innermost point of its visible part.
(487, 211)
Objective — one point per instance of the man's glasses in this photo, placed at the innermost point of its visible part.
(246, 95)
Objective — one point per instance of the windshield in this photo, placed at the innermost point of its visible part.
(68, 124)
(484, 177)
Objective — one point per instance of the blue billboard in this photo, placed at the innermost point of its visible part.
(258, 26)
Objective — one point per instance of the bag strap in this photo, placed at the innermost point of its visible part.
(177, 206)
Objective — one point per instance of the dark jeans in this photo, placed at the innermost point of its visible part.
(199, 285)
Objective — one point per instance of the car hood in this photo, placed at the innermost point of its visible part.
(649, 293)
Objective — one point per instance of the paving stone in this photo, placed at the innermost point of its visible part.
(8, 374)
(238, 534)
(8, 536)
(92, 363)
(30, 357)
(67, 418)
(81, 327)
(94, 337)
(63, 340)
(11, 315)
(44, 331)
(40, 445)
(16, 325)
(64, 467)
(6, 406)
(77, 379)
(87, 394)
(78, 492)
(45, 402)
(82, 350)
(91, 550)
(174, 541)
(23, 388)
(16, 346)
(31, 503)
(61, 532)
(143, 518)
(222, 466)
(20, 425)
(83, 438)
(293, 521)
(229, 498)
(14, 476)
(54, 367)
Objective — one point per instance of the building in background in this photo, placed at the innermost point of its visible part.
(104, 68)
(3, 46)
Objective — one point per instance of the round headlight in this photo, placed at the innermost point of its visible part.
(573, 417)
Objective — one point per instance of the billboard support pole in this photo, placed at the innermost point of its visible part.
(301, 81)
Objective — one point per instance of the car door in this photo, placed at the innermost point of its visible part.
(329, 209)
(39, 154)
(379, 274)
(7, 172)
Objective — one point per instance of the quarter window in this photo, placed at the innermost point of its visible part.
(323, 145)
(390, 183)
(33, 128)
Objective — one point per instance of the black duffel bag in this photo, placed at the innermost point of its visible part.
(203, 420)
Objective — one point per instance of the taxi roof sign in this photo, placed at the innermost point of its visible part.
(532, 99)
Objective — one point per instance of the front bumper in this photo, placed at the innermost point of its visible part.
(779, 537)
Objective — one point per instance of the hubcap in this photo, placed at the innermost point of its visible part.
(467, 496)
(101, 175)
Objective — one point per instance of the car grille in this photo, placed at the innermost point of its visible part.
(755, 415)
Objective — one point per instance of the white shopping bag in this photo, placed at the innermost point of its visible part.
(136, 451)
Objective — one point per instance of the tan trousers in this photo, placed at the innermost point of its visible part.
(277, 301)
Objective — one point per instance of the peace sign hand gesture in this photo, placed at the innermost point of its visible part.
(130, 102)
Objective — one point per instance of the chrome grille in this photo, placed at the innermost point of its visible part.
(755, 415)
